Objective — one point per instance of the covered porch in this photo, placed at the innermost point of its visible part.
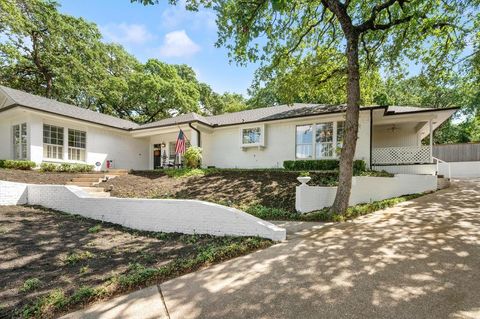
(402, 141)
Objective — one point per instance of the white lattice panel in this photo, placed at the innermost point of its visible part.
(401, 155)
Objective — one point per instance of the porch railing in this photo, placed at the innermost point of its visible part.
(402, 155)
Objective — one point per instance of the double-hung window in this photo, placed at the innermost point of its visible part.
(324, 140)
(52, 142)
(319, 140)
(19, 133)
(76, 145)
(304, 139)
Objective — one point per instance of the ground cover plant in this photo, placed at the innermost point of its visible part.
(15, 164)
(62, 262)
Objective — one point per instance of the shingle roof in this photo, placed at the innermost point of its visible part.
(20, 98)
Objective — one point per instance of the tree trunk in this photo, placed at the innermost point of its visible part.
(342, 197)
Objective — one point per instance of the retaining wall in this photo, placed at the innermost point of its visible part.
(365, 189)
(166, 215)
(13, 193)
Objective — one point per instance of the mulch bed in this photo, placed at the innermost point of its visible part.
(35, 177)
(236, 187)
(68, 252)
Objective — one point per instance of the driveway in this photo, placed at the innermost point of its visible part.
(420, 259)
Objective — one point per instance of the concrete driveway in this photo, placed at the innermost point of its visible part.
(420, 259)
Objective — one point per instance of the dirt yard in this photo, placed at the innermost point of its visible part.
(35, 177)
(51, 262)
(230, 187)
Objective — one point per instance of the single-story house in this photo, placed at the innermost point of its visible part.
(44, 130)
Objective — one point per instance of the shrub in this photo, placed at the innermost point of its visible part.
(23, 165)
(48, 167)
(2, 163)
(193, 157)
(66, 168)
(322, 165)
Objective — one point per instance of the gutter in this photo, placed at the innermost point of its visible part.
(198, 132)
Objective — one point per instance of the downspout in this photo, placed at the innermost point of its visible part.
(198, 134)
(371, 135)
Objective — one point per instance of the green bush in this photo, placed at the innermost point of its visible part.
(2, 163)
(23, 165)
(193, 157)
(66, 168)
(322, 165)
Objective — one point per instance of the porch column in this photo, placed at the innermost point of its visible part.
(431, 140)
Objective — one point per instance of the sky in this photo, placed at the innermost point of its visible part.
(168, 33)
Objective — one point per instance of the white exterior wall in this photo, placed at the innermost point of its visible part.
(102, 143)
(222, 146)
(424, 169)
(365, 189)
(166, 215)
(404, 135)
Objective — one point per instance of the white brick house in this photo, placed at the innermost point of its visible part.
(44, 130)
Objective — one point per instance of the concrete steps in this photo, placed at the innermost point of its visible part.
(89, 181)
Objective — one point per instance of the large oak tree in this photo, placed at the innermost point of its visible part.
(385, 32)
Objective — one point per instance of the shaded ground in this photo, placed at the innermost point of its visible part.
(58, 251)
(268, 188)
(35, 177)
(420, 259)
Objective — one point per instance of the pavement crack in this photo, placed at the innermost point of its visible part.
(163, 301)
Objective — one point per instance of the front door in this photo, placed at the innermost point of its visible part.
(157, 156)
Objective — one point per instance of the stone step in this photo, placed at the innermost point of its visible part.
(81, 184)
(86, 179)
(99, 194)
(90, 175)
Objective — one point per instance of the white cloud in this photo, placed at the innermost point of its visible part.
(178, 44)
(126, 34)
(175, 16)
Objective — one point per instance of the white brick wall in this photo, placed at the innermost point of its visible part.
(167, 215)
(365, 189)
(13, 193)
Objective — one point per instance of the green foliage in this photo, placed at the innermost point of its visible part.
(95, 229)
(30, 284)
(321, 165)
(16, 164)
(2, 163)
(193, 157)
(75, 257)
(304, 174)
(51, 54)
(66, 168)
(189, 172)
(55, 300)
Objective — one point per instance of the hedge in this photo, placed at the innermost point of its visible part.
(66, 167)
(322, 165)
(14, 164)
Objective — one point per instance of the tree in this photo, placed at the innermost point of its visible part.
(368, 32)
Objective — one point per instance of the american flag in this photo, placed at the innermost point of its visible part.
(180, 145)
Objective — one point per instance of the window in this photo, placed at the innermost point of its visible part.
(171, 151)
(304, 147)
(76, 145)
(324, 140)
(251, 135)
(340, 134)
(20, 151)
(52, 142)
(328, 140)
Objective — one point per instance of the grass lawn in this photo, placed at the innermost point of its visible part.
(53, 262)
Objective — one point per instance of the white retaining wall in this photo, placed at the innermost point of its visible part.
(13, 193)
(460, 169)
(365, 189)
(166, 215)
(429, 169)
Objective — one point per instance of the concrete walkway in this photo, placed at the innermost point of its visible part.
(420, 259)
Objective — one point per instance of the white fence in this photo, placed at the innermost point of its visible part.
(365, 189)
(166, 215)
(401, 155)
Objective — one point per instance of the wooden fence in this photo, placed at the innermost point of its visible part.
(457, 152)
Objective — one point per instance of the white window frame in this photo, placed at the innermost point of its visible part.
(21, 143)
(334, 143)
(260, 143)
(49, 148)
(80, 151)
